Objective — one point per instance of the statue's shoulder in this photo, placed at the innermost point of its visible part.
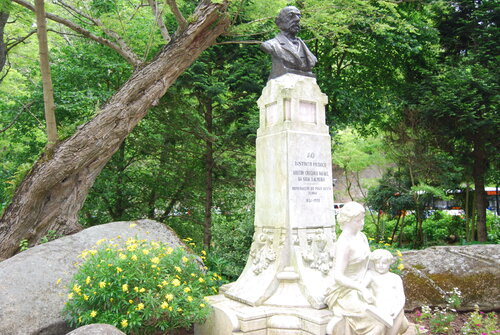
(269, 45)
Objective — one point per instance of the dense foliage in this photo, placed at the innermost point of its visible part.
(410, 84)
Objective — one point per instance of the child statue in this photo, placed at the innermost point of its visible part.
(353, 296)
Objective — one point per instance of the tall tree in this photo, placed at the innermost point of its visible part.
(52, 193)
(458, 101)
(48, 91)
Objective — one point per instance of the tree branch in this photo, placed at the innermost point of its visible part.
(239, 42)
(159, 21)
(18, 40)
(126, 53)
(98, 23)
(178, 15)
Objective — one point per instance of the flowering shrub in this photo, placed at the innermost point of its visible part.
(481, 323)
(139, 286)
(439, 319)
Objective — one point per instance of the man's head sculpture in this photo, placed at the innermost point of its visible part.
(288, 20)
(289, 53)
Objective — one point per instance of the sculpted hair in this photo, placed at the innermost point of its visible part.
(280, 19)
(381, 254)
(350, 211)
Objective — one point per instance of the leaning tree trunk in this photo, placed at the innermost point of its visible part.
(53, 192)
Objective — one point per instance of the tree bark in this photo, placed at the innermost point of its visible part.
(53, 192)
(4, 16)
(209, 172)
(48, 90)
(479, 170)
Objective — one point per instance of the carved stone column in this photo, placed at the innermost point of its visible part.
(290, 264)
(294, 221)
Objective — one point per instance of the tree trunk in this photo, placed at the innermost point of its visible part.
(209, 173)
(119, 206)
(478, 172)
(48, 91)
(4, 16)
(53, 192)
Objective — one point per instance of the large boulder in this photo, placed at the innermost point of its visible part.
(97, 329)
(33, 284)
(475, 270)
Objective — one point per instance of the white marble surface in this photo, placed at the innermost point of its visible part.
(294, 218)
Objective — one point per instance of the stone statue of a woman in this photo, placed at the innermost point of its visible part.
(350, 298)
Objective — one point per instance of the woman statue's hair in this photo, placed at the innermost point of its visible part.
(350, 211)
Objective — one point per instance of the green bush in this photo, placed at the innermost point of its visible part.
(139, 286)
(493, 227)
(232, 238)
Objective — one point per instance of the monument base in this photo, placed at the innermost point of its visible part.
(230, 317)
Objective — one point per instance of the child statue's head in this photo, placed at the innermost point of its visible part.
(381, 260)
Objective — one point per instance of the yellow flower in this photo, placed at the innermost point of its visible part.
(58, 281)
(100, 241)
(164, 283)
(206, 299)
(193, 275)
(179, 309)
(122, 256)
(93, 314)
(134, 257)
(401, 266)
(399, 253)
(136, 289)
(155, 244)
(139, 306)
(70, 296)
(155, 260)
(201, 280)
(187, 289)
(170, 308)
(189, 298)
(142, 290)
(77, 288)
(202, 305)
(178, 269)
(119, 269)
(169, 297)
(145, 251)
(131, 301)
(387, 244)
(164, 305)
(176, 282)
(169, 250)
(87, 281)
(93, 252)
(111, 299)
(85, 297)
(125, 287)
(132, 225)
(204, 252)
(185, 259)
(124, 323)
(102, 284)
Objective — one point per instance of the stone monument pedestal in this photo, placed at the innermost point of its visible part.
(290, 266)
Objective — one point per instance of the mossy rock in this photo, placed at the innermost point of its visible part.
(474, 270)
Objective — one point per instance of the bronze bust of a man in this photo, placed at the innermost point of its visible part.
(289, 53)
